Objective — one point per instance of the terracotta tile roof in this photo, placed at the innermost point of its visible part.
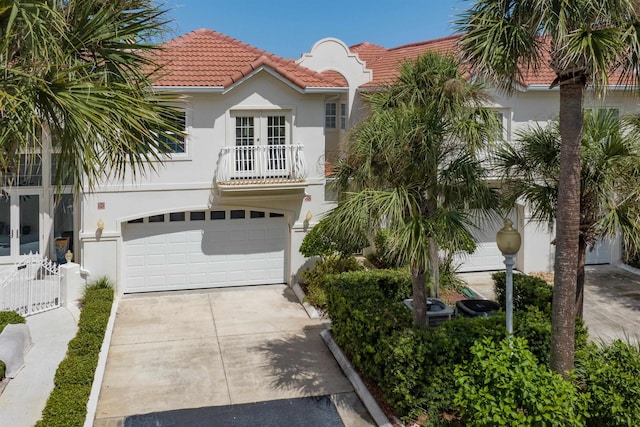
(386, 63)
(206, 58)
(368, 52)
(336, 77)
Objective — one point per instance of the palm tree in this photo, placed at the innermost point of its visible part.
(413, 168)
(584, 42)
(609, 183)
(82, 71)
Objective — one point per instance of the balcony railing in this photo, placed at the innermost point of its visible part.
(261, 164)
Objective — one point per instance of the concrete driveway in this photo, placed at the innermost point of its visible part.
(611, 300)
(216, 348)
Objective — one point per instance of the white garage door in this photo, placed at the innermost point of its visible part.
(601, 253)
(205, 249)
(487, 256)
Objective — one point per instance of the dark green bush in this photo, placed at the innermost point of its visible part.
(364, 306)
(86, 343)
(66, 407)
(319, 241)
(10, 318)
(527, 291)
(315, 277)
(67, 403)
(503, 385)
(414, 367)
(78, 370)
(610, 376)
(383, 257)
(417, 365)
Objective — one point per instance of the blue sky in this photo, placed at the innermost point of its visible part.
(289, 28)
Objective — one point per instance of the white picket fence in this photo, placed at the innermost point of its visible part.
(31, 286)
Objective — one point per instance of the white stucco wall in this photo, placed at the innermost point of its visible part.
(186, 183)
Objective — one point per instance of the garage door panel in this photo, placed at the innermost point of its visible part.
(487, 256)
(202, 254)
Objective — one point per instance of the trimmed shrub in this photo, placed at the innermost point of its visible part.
(320, 242)
(315, 277)
(503, 385)
(67, 403)
(365, 306)
(610, 376)
(10, 318)
(417, 365)
(527, 291)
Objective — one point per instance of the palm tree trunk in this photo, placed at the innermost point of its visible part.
(582, 251)
(435, 267)
(419, 285)
(568, 228)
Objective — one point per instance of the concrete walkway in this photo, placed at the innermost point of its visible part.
(25, 396)
(611, 300)
(218, 347)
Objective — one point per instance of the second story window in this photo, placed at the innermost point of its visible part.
(26, 172)
(330, 115)
(343, 116)
(177, 144)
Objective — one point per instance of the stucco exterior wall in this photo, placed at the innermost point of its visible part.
(187, 181)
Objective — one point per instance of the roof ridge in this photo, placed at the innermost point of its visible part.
(425, 42)
(233, 61)
(366, 44)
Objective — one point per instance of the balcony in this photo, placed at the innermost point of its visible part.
(253, 167)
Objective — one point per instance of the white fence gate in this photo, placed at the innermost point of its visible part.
(31, 286)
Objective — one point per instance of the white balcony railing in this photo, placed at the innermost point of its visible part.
(261, 164)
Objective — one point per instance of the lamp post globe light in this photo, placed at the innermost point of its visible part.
(509, 240)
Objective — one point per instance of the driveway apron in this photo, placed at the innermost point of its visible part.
(217, 348)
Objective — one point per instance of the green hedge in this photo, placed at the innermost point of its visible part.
(610, 376)
(67, 403)
(314, 277)
(8, 318)
(527, 291)
(504, 385)
(415, 367)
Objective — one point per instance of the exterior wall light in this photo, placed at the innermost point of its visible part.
(308, 217)
(100, 224)
(509, 241)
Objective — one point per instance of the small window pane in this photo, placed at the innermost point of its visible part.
(28, 172)
(135, 221)
(257, 214)
(218, 215)
(176, 216)
(237, 214)
(66, 173)
(275, 215)
(196, 216)
(343, 116)
(176, 143)
(156, 218)
(330, 115)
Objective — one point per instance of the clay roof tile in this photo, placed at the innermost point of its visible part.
(207, 58)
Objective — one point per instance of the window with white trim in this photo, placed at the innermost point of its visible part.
(343, 116)
(177, 144)
(261, 137)
(330, 115)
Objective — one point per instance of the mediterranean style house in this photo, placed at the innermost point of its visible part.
(234, 199)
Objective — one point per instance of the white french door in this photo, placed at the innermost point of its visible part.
(20, 223)
(261, 139)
